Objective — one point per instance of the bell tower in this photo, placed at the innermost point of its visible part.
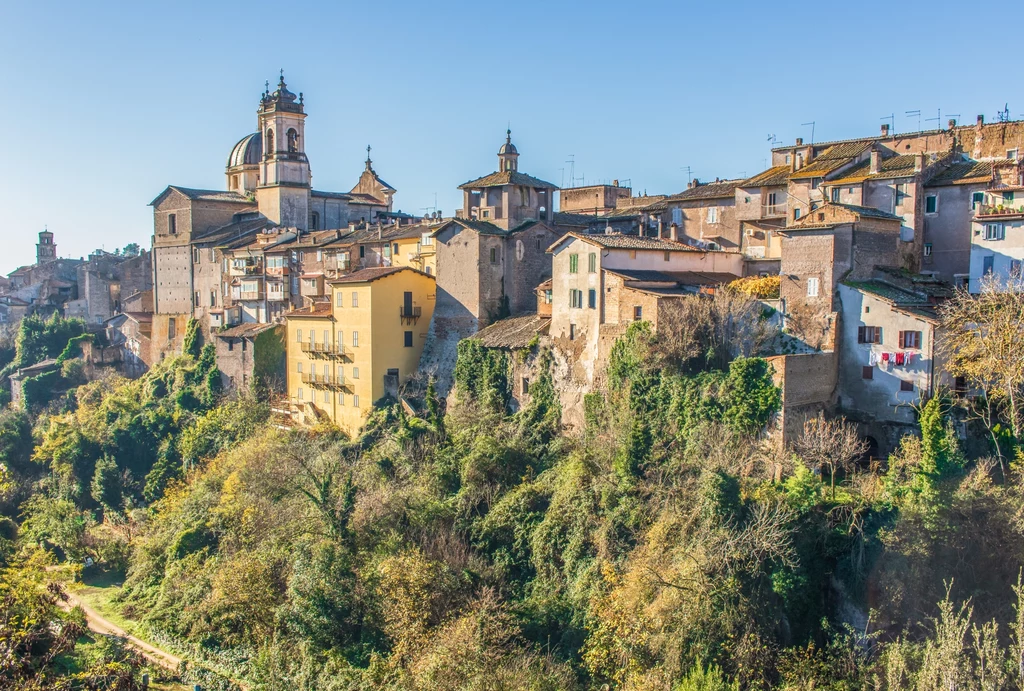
(46, 249)
(285, 180)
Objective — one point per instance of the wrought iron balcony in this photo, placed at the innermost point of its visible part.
(410, 315)
(326, 351)
(327, 381)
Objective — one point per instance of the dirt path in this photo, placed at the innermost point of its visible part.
(101, 625)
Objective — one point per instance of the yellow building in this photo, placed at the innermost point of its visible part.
(346, 354)
(413, 246)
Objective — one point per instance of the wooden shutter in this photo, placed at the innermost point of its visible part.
(860, 334)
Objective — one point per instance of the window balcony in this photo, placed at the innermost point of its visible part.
(327, 381)
(250, 295)
(410, 315)
(773, 210)
(998, 210)
(326, 351)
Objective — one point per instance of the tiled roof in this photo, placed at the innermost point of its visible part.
(773, 177)
(922, 283)
(208, 195)
(250, 330)
(892, 167)
(372, 274)
(683, 278)
(708, 190)
(869, 140)
(514, 332)
(887, 292)
(233, 233)
(507, 177)
(830, 159)
(406, 232)
(482, 227)
(868, 212)
(565, 218)
(629, 242)
(963, 173)
(320, 309)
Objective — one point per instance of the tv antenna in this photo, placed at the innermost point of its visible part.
(892, 121)
(572, 168)
(917, 113)
(937, 119)
(1004, 114)
(689, 173)
(811, 123)
(773, 139)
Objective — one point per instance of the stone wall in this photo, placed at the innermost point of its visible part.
(808, 382)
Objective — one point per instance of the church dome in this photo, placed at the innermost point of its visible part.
(508, 147)
(247, 152)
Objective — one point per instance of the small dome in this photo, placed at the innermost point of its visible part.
(508, 147)
(247, 152)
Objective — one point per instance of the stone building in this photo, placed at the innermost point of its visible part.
(835, 242)
(958, 191)
(997, 231)
(251, 353)
(596, 200)
(102, 281)
(705, 214)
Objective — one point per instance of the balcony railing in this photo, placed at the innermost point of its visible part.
(250, 295)
(326, 381)
(999, 210)
(326, 350)
(773, 210)
(410, 314)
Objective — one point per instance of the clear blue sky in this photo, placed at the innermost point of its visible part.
(107, 103)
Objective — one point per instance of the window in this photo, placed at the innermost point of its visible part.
(408, 339)
(906, 385)
(327, 337)
(269, 149)
(712, 214)
(796, 214)
(387, 251)
(355, 339)
(677, 216)
(1011, 154)
(575, 298)
(977, 198)
(592, 263)
(314, 224)
(1007, 196)
(196, 255)
(298, 335)
(574, 263)
(592, 299)
(526, 386)
(355, 401)
(986, 265)
(835, 195)
(771, 199)
(901, 193)
(931, 204)
(869, 334)
(994, 231)
(172, 224)
(362, 251)
(910, 339)
(197, 301)
(293, 140)
(341, 338)
(867, 372)
(244, 345)
(572, 332)
(298, 367)
(231, 344)
(312, 369)
(340, 299)
(355, 373)
(638, 313)
(213, 298)
(668, 256)
(788, 159)
(494, 255)
(341, 398)
(812, 287)
(547, 297)
(355, 299)
(301, 397)
(927, 249)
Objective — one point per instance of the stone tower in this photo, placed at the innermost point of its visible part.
(46, 249)
(284, 180)
(508, 156)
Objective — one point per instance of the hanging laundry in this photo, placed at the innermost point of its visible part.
(899, 358)
(910, 356)
(885, 357)
(872, 358)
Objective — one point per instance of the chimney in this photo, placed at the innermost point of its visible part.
(693, 183)
(952, 123)
(885, 129)
(351, 226)
(661, 225)
(673, 233)
(615, 183)
(799, 141)
(876, 161)
(918, 163)
(981, 120)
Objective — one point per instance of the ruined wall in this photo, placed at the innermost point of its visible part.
(808, 383)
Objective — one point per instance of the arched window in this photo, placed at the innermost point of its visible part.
(270, 141)
(293, 141)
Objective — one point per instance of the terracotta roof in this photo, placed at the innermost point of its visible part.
(773, 177)
(250, 330)
(141, 317)
(685, 278)
(482, 227)
(565, 218)
(374, 273)
(869, 140)
(320, 309)
(629, 242)
(867, 211)
(963, 173)
(507, 177)
(831, 159)
(514, 332)
(708, 190)
(887, 292)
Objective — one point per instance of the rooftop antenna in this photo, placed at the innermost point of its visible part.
(912, 113)
(811, 123)
(892, 121)
(937, 118)
(572, 168)
(689, 174)
(773, 139)
(563, 177)
(951, 116)
(1004, 114)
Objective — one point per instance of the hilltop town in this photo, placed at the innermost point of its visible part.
(335, 300)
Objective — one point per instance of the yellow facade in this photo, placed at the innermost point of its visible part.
(416, 252)
(339, 355)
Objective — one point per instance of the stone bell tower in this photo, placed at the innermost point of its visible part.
(285, 181)
(46, 249)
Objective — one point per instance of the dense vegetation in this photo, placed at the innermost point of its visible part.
(670, 544)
